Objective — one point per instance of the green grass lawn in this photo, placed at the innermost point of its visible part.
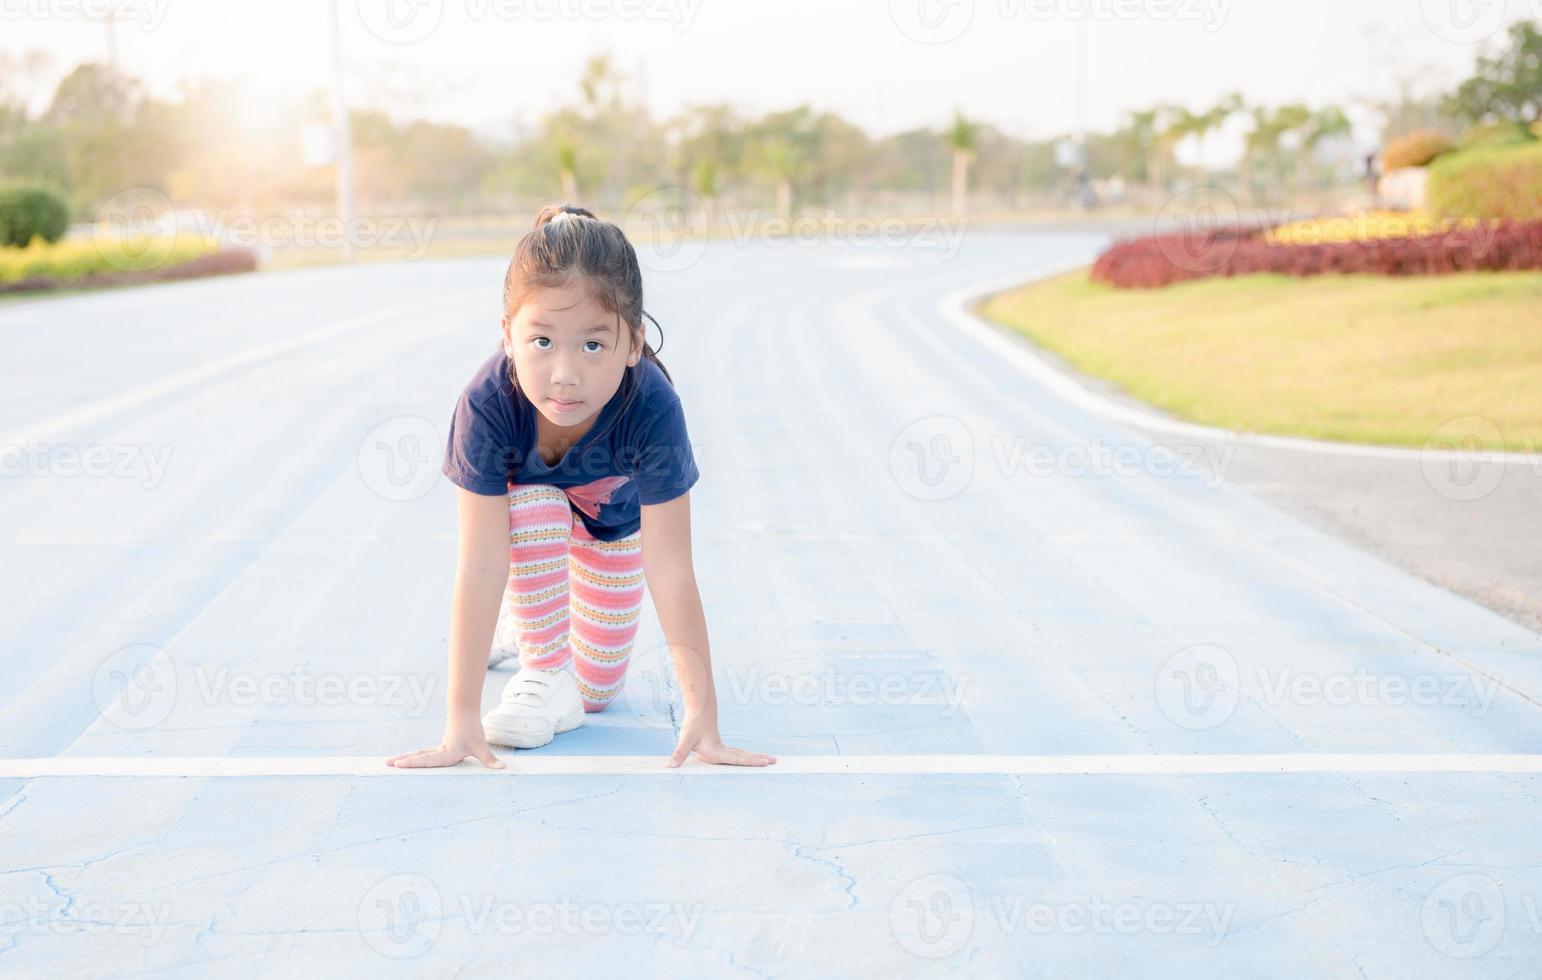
(1369, 359)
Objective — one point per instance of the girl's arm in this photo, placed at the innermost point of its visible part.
(666, 547)
(481, 574)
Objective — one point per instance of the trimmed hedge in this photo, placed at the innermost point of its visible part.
(213, 264)
(1160, 260)
(1488, 182)
(1415, 149)
(28, 212)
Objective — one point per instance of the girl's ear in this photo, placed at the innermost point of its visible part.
(508, 342)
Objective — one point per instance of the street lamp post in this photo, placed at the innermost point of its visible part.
(344, 139)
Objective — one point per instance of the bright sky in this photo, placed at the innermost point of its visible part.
(885, 64)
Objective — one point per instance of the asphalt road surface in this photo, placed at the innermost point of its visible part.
(1040, 710)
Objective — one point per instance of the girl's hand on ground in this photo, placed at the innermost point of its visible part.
(703, 739)
(455, 747)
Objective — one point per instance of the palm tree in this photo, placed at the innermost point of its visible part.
(1323, 124)
(963, 137)
(704, 183)
(567, 165)
(784, 141)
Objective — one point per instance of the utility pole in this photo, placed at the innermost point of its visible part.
(110, 21)
(343, 137)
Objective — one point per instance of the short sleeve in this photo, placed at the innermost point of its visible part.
(480, 451)
(665, 465)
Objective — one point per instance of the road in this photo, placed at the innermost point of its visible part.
(230, 601)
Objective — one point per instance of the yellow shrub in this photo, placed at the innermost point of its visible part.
(1363, 227)
(74, 259)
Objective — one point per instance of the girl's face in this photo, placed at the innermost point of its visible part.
(568, 352)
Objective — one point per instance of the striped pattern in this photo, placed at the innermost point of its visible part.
(570, 596)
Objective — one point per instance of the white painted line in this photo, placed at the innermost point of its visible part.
(1020, 352)
(534, 764)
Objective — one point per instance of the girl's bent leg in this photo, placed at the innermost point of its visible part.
(535, 601)
(607, 594)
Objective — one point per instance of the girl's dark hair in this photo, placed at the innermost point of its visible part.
(551, 254)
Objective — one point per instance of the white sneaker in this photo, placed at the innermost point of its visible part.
(505, 646)
(536, 705)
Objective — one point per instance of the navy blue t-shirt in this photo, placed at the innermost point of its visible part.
(637, 455)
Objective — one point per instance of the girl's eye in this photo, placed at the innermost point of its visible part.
(537, 342)
(598, 345)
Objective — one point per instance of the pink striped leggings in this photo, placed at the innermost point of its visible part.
(570, 596)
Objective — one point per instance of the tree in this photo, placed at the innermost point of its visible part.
(779, 145)
(1321, 125)
(1506, 87)
(708, 146)
(963, 138)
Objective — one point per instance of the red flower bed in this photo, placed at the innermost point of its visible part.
(1159, 260)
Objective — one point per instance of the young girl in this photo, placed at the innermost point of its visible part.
(570, 451)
